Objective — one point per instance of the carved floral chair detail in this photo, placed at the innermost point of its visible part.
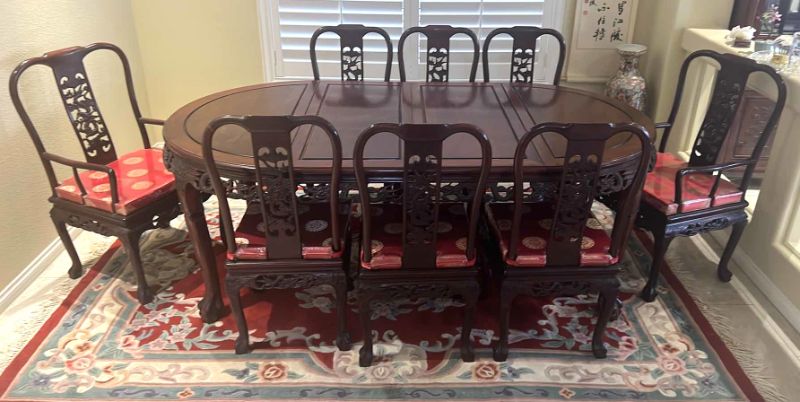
(523, 52)
(351, 39)
(281, 243)
(423, 245)
(108, 194)
(437, 56)
(686, 198)
(558, 247)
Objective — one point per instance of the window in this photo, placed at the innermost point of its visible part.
(290, 24)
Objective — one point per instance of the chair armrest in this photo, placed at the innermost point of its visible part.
(153, 122)
(718, 169)
(75, 165)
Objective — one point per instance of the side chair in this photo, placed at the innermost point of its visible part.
(419, 244)
(283, 241)
(523, 52)
(437, 56)
(351, 39)
(558, 247)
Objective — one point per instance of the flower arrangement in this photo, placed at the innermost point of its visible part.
(770, 21)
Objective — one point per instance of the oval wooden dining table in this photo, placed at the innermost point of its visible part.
(505, 112)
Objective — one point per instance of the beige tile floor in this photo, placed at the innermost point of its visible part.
(742, 315)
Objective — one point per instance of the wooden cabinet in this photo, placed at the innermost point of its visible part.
(751, 118)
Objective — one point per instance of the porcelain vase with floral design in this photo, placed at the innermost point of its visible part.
(628, 85)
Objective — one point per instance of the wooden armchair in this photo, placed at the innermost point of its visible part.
(523, 52)
(108, 194)
(559, 248)
(351, 39)
(421, 245)
(282, 243)
(684, 199)
(437, 65)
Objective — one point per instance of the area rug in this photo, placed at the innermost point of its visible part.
(101, 345)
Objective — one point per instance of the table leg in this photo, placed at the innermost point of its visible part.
(211, 307)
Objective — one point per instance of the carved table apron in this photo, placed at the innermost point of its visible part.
(504, 111)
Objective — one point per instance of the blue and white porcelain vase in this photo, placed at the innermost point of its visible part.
(628, 85)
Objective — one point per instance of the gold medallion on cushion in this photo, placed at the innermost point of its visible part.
(316, 225)
(142, 185)
(132, 160)
(376, 246)
(461, 244)
(98, 175)
(137, 173)
(587, 243)
(534, 242)
(101, 188)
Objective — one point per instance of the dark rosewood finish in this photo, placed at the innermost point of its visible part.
(729, 87)
(283, 265)
(504, 111)
(563, 272)
(92, 132)
(523, 52)
(351, 38)
(421, 200)
(437, 56)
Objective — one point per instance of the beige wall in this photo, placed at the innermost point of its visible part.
(660, 25)
(192, 48)
(29, 28)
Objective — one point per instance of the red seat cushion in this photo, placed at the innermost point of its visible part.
(315, 233)
(659, 188)
(387, 237)
(537, 220)
(141, 179)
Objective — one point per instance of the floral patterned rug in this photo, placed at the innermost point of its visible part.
(101, 345)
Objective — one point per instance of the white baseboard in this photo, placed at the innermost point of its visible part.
(33, 270)
(762, 281)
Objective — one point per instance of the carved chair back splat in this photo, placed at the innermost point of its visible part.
(275, 185)
(437, 56)
(80, 104)
(523, 52)
(422, 156)
(351, 39)
(579, 187)
(729, 86)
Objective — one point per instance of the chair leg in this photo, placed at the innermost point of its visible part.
(662, 242)
(723, 272)
(131, 242)
(365, 354)
(243, 340)
(76, 270)
(471, 299)
(501, 349)
(342, 334)
(606, 303)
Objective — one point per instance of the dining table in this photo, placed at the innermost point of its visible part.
(504, 111)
